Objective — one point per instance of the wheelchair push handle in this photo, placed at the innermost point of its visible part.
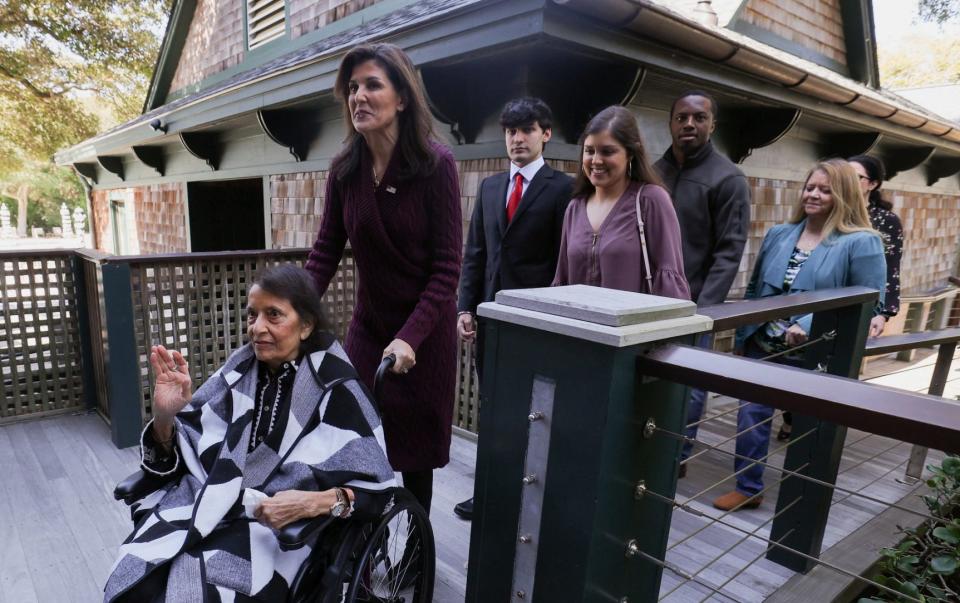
(385, 365)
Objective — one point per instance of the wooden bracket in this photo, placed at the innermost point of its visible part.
(203, 145)
(87, 170)
(295, 129)
(608, 83)
(743, 129)
(470, 96)
(941, 166)
(900, 158)
(848, 144)
(635, 87)
(151, 156)
(112, 164)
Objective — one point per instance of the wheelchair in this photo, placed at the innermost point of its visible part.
(391, 559)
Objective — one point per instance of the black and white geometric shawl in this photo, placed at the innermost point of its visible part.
(196, 530)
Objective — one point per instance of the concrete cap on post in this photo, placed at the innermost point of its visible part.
(607, 316)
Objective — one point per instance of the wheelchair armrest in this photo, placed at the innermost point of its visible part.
(298, 533)
(137, 485)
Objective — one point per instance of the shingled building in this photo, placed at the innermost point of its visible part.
(240, 124)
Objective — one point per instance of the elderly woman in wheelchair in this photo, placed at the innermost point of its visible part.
(267, 482)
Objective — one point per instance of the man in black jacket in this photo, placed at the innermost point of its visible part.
(514, 236)
(712, 200)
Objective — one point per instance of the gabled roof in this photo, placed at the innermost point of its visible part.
(181, 14)
(439, 30)
(401, 19)
(858, 28)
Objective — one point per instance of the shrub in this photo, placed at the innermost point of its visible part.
(926, 564)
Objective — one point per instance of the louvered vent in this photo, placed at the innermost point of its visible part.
(266, 20)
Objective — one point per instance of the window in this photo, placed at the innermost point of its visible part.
(118, 219)
(266, 21)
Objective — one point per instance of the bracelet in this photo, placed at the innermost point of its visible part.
(459, 314)
(343, 506)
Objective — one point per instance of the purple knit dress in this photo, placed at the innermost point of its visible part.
(406, 237)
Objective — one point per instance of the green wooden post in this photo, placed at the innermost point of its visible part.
(818, 455)
(123, 373)
(565, 442)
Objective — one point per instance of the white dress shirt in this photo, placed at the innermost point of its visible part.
(528, 171)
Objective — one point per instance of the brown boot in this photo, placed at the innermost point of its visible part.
(734, 501)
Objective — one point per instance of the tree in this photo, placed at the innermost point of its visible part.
(919, 60)
(938, 11)
(55, 55)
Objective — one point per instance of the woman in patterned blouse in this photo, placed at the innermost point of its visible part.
(871, 174)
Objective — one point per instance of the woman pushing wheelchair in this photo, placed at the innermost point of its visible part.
(283, 431)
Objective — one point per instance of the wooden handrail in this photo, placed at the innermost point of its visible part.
(24, 254)
(164, 258)
(755, 311)
(909, 341)
(917, 418)
(92, 255)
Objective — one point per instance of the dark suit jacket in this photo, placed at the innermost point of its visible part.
(521, 253)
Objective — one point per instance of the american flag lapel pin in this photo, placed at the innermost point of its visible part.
(391, 190)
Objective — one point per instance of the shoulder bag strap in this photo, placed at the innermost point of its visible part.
(643, 243)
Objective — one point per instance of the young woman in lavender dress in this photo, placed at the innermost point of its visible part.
(602, 243)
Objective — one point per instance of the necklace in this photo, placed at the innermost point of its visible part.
(376, 181)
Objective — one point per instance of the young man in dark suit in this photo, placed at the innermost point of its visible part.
(514, 237)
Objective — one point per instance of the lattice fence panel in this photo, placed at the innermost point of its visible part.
(467, 409)
(39, 336)
(198, 307)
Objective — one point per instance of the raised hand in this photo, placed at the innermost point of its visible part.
(173, 387)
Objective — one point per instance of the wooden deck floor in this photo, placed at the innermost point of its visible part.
(60, 527)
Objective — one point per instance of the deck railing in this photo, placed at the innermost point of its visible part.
(40, 342)
(195, 303)
(824, 406)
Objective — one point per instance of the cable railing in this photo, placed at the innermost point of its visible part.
(825, 405)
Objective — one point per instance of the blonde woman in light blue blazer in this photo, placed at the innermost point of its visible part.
(828, 243)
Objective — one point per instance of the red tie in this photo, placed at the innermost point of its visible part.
(515, 195)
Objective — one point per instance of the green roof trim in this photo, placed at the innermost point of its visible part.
(279, 47)
(170, 50)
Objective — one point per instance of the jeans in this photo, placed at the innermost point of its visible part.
(695, 404)
(755, 443)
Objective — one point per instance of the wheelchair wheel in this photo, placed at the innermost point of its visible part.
(321, 578)
(397, 563)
